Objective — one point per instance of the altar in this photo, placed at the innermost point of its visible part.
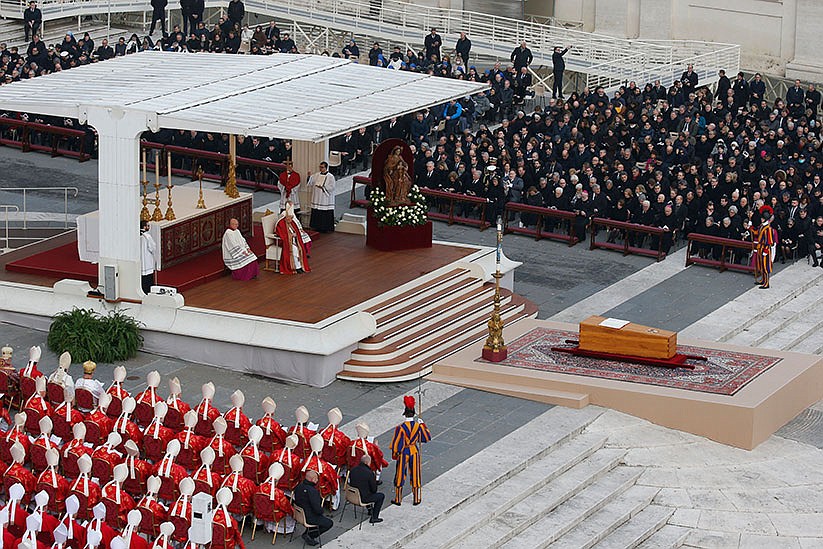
(193, 232)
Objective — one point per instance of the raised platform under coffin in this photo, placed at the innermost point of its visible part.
(739, 396)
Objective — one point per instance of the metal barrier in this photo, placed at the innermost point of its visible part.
(453, 198)
(727, 247)
(627, 247)
(537, 232)
(25, 192)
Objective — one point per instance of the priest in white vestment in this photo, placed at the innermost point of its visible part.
(237, 255)
(322, 200)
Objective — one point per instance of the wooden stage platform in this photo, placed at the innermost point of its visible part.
(344, 274)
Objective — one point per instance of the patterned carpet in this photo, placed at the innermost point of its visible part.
(724, 373)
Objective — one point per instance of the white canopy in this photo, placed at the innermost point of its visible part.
(288, 96)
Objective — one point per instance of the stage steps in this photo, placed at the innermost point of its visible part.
(422, 325)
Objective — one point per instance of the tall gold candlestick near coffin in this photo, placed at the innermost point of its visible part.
(169, 211)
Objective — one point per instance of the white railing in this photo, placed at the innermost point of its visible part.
(25, 192)
(6, 209)
(601, 57)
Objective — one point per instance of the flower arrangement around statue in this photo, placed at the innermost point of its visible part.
(413, 213)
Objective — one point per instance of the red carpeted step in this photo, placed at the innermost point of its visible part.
(64, 262)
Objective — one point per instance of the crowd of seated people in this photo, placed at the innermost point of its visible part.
(688, 158)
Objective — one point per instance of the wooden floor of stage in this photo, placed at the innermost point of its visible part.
(344, 273)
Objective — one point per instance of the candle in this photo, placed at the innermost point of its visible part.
(144, 165)
(169, 164)
(157, 168)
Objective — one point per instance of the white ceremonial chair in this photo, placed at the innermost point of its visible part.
(273, 243)
(335, 160)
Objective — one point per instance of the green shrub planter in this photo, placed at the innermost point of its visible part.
(88, 335)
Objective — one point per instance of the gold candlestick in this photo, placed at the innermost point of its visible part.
(495, 349)
(169, 211)
(201, 204)
(231, 178)
(144, 213)
(158, 213)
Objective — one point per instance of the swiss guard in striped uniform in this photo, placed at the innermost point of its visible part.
(764, 248)
(405, 449)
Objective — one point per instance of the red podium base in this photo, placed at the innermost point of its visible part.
(388, 239)
(495, 356)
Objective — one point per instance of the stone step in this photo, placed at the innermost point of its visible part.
(612, 516)
(739, 314)
(637, 529)
(668, 537)
(545, 528)
(468, 481)
(531, 391)
(777, 320)
(803, 328)
(812, 345)
(595, 470)
(509, 493)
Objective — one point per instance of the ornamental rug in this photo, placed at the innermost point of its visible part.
(724, 373)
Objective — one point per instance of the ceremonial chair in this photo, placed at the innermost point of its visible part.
(148, 525)
(201, 484)
(263, 509)
(112, 513)
(93, 433)
(300, 518)
(102, 469)
(9, 390)
(115, 408)
(174, 420)
(54, 393)
(221, 537)
(28, 386)
(273, 242)
(181, 529)
(135, 484)
(83, 400)
(353, 497)
(148, 522)
(33, 418)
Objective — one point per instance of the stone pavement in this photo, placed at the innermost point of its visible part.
(718, 496)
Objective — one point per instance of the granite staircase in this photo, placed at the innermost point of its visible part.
(536, 488)
(427, 322)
